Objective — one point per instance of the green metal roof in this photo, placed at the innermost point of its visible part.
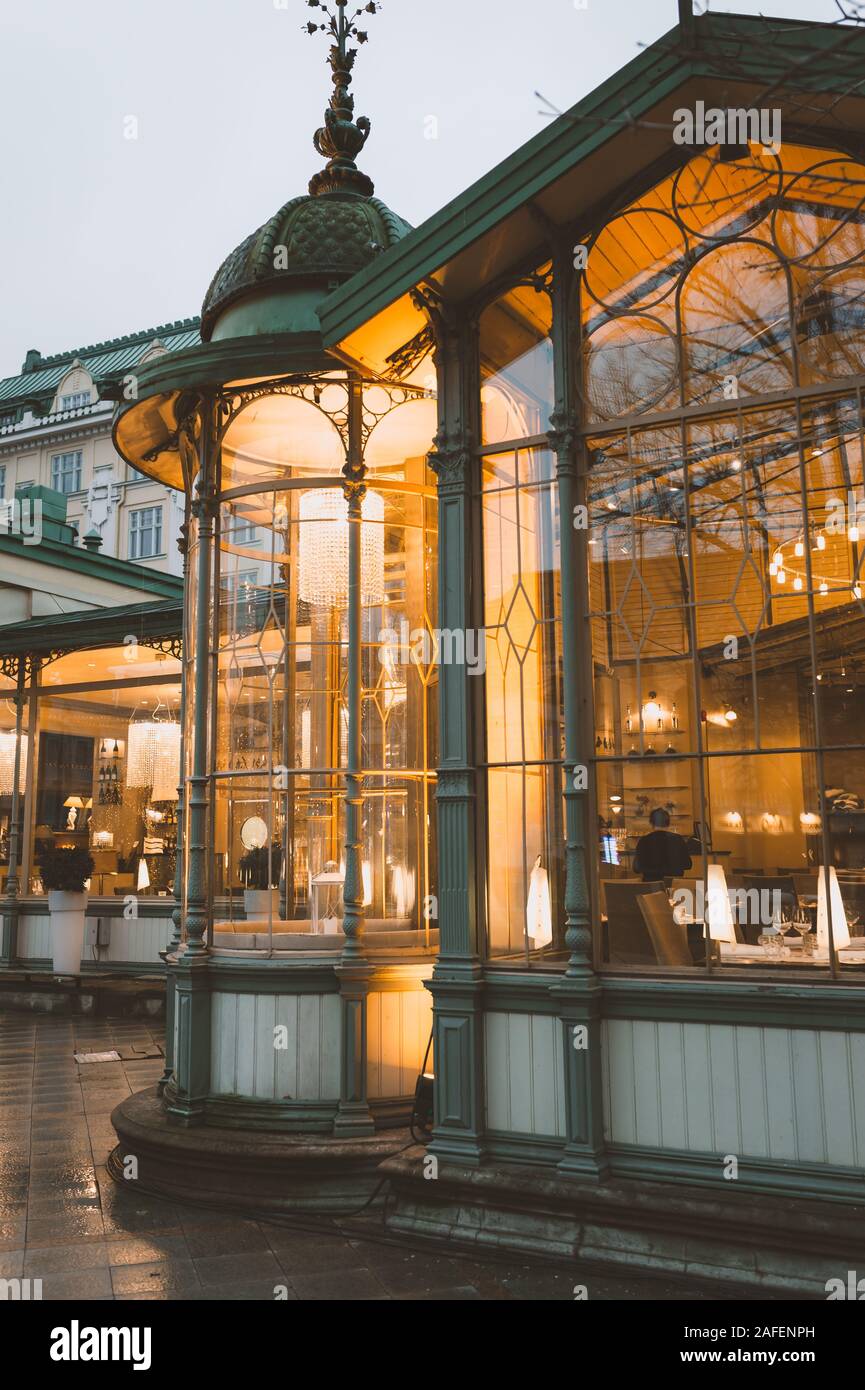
(529, 188)
(41, 376)
(99, 627)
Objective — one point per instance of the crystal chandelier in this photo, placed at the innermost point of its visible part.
(7, 762)
(154, 757)
(323, 558)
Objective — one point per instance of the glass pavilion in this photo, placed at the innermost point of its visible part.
(599, 420)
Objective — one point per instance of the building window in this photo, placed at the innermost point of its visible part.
(145, 533)
(724, 569)
(107, 759)
(66, 471)
(75, 401)
(2, 480)
(285, 689)
(245, 533)
(522, 596)
(516, 361)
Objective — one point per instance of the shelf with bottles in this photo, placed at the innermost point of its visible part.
(652, 719)
(109, 775)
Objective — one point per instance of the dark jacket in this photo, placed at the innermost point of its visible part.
(661, 854)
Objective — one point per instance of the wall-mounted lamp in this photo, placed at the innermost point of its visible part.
(652, 712)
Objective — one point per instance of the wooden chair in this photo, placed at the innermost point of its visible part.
(669, 939)
(628, 939)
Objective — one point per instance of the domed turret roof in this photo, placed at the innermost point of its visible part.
(331, 234)
(334, 230)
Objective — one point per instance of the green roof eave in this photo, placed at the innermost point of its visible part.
(146, 439)
(106, 568)
(587, 126)
(101, 627)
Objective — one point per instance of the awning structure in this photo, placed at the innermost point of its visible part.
(586, 160)
(156, 625)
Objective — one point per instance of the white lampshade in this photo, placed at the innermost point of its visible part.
(719, 914)
(840, 930)
(7, 761)
(323, 550)
(539, 917)
(143, 880)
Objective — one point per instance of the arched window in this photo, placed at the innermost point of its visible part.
(75, 391)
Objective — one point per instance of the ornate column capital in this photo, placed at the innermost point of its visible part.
(450, 458)
(562, 435)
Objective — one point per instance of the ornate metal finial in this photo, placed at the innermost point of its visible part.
(341, 137)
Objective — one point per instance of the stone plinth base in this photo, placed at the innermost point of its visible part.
(780, 1245)
(251, 1170)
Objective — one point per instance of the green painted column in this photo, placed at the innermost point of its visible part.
(578, 993)
(186, 1093)
(9, 944)
(353, 1118)
(176, 939)
(457, 981)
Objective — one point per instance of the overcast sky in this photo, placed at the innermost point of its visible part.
(104, 235)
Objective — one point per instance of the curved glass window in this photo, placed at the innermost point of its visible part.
(281, 671)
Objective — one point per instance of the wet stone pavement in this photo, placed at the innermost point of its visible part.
(65, 1221)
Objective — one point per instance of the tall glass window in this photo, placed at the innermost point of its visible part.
(722, 382)
(107, 766)
(522, 627)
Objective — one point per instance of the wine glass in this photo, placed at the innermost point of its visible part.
(801, 923)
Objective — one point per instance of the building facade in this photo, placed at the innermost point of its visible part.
(55, 432)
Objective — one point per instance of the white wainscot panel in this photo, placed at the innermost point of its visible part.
(525, 1080)
(245, 1057)
(34, 936)
(780, 1093)
(398, 1024)
(134, 939)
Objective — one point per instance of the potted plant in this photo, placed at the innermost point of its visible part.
(259, 871)
(64, 872)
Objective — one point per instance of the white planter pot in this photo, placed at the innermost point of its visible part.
(67, 912)
(259, 903)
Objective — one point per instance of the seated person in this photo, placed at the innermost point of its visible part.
(662, 853)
